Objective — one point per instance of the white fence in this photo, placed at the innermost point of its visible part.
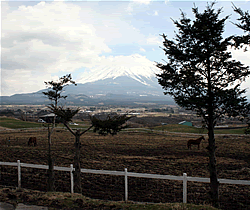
(124, 173)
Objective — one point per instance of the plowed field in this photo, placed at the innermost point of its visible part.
(154, 153)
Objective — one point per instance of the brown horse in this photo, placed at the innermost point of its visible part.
(32, 141)
(195, 142)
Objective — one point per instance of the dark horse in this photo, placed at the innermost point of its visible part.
(195, 142)
(32, 141)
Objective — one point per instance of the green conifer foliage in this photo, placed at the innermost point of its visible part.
(111, 125)
(201, 75)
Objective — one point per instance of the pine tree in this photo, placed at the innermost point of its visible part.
(244, 24)
(109, 125)
(112, 124)
(201, 75)
(243, 41)
(54, 92)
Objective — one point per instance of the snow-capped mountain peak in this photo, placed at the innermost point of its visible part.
(136, 66)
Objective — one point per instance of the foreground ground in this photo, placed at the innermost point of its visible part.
(59, 200)
(156, 153)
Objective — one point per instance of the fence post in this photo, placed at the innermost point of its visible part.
(19, 173)
(126, 185)
(72, 178)
(184, 188)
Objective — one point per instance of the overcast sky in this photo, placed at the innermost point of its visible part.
(42, 41)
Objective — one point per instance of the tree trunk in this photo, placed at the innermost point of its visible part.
(77, 166)
(214, 184)
(51, 175)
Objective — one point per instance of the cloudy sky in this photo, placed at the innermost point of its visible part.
(42, 41)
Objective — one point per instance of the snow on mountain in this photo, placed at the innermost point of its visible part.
(116, 80)
(135, 66)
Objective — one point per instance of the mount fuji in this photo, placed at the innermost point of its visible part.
(135, 75)
(118, 80)
(135, 66)
(127, 76)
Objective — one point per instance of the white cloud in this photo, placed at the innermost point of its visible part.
(45, 42)
(243, 57)
(166, 2)
(115, 27)
(53, 37)
(156, 13)
(147, 2)
(135, 3)
(23, 81)
(153, 40)
(45, 38)
(142, 50)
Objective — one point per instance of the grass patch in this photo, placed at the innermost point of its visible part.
(190, 129)
(181, 129)
(15, 123)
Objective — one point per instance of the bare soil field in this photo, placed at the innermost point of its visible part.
(155, 153)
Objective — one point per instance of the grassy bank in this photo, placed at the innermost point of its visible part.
(189, 129)
(15, 123)
(59, 200)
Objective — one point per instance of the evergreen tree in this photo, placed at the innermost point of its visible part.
(244, 24)
(242, 41)
(54, 92)
(201, 75)
(110, 125)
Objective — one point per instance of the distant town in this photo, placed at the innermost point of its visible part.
(146, 114)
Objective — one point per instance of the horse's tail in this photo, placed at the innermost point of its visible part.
(202, 138)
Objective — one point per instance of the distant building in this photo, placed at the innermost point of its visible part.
(186, 123)
(48, 118)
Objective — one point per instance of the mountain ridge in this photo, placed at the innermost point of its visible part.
(137, 67)
(121, 90)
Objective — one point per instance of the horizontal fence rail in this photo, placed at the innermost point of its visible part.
(126, 174)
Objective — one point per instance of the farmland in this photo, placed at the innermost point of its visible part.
(13, 123)
(154, 152)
